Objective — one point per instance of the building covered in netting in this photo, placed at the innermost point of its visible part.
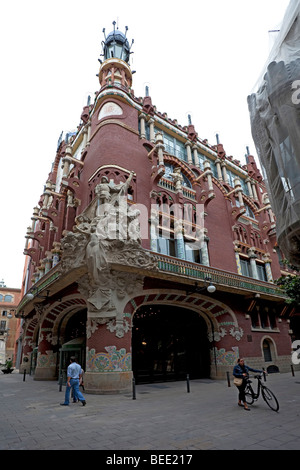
(275, 122)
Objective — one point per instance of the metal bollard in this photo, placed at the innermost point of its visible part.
(293, 373)
(60, 383)
(24, 375)
(188, 383)
(133, 389)
(228, 379)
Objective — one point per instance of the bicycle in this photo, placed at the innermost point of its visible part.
(267, 395)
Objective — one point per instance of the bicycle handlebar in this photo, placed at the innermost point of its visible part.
(257, 376)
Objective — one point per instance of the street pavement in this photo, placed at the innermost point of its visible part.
(162, 416)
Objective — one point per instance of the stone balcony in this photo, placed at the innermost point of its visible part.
(168, 268)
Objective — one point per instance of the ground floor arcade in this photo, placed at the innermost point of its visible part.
(164, 334)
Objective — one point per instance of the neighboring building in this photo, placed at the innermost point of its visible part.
(9, 300)
(138, 217)
(275, 122)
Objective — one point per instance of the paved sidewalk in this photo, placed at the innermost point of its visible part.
(162, 417)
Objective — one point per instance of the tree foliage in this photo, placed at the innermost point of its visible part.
(290, 285)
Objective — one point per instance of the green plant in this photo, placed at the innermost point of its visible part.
(290, 285)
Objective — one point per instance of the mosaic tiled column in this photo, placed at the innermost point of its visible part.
(28, 346)
(108, 338)
(267, 260)
(108, 362)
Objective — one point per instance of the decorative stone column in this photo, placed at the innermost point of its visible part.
(67, 159)
(152, 133)
(253, 186)
(34, 217)
(267, 260)
(89, 130)
(252, 255)
(196, 157)
(219, 169)
(143, 126)
(224, 170)
(269, 209)
(47, 194)
(160, 148)
(238, 191)
(84, 137)
(248, 181)
(209, 173)
(188, 146)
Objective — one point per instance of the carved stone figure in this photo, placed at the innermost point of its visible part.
(94, 251)
(178, 178)
(105, 191)
(106, 235)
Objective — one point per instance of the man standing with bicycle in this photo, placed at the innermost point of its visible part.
(241, 372)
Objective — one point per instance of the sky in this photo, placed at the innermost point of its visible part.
(200, 58)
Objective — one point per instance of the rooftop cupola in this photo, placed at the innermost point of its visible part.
(115, 69)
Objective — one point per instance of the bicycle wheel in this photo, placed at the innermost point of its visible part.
(249, 395)
(270, 398)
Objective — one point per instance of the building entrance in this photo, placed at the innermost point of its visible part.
(168, 343)
(74, 343)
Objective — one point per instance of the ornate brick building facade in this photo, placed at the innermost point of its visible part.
(9, 324)
(151, 252)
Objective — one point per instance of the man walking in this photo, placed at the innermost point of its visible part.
(74, 372)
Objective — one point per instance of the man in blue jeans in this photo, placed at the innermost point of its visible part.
(73, 377)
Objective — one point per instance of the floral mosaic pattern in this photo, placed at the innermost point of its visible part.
(112, 361)
(46, 360)
(225, 358)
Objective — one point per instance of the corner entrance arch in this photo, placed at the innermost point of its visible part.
(169, 342)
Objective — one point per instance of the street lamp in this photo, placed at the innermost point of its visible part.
(34, 292)
(211, 288)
